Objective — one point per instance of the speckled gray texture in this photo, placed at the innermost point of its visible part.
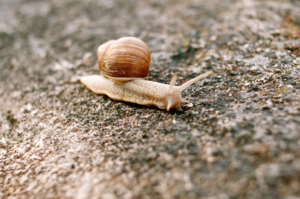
(240, 137)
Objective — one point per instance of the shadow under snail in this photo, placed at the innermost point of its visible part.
(123, 63)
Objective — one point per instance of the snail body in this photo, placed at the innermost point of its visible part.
(133, 89)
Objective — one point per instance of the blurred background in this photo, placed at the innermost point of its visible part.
(238, 139)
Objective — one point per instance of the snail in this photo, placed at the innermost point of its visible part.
(123, 63)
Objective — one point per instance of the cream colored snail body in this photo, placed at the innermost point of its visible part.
(123, 63)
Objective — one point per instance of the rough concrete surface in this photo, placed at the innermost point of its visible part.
(240, 137)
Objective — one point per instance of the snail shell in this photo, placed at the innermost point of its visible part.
(124, 59)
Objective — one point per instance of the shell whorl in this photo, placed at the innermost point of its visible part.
(124, 59)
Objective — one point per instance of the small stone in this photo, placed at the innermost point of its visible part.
(271, 54)
(195, 133)
(287, 158)
(256, 149)
(190, 105)
(277, 70)
(290, 82)
(3, 143)
(284, 76)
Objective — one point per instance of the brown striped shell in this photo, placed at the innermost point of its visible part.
(124, 59)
